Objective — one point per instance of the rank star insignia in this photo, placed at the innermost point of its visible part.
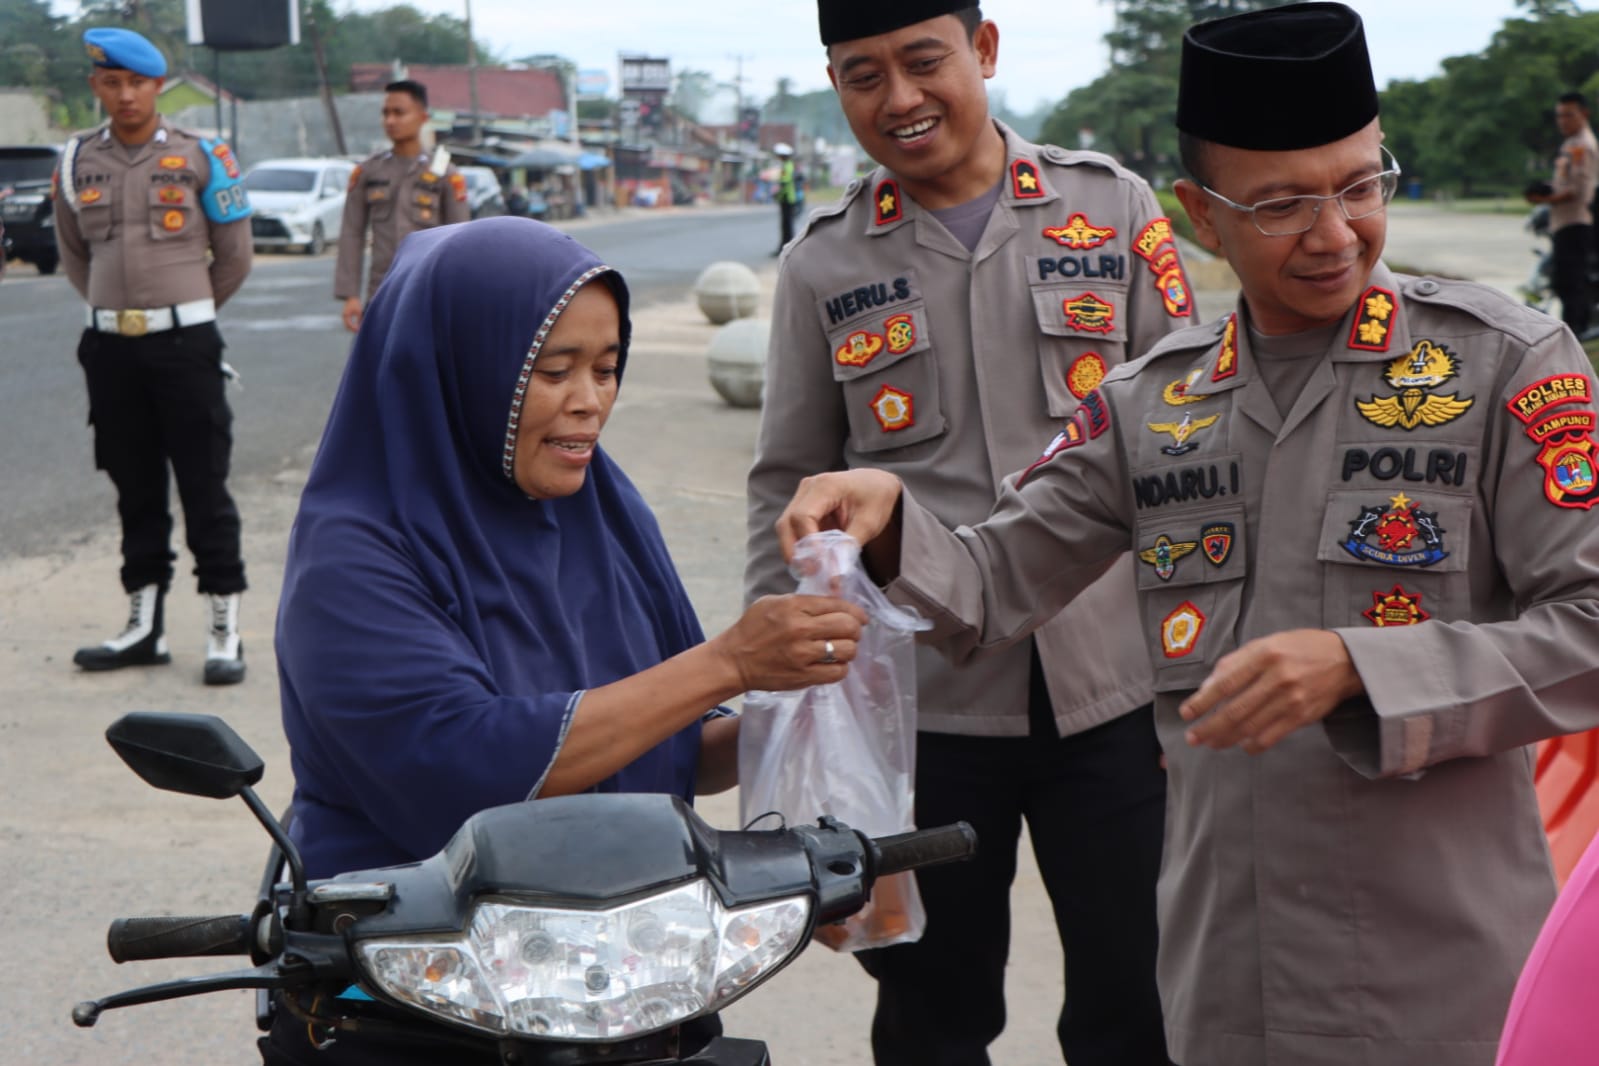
(1374, 322)
(1176, 393)
(1181, 431)
(1024, 183)
(1569, 479)
(1085, 374)
(1164, 555)
(1079, 234)
(1427, 366)
(901, 333)
(1227, 360)
(1089, 314)
(858, 349)
(1396, 608)
(1179, 631)
(1397, 528)
(886, 202)
(895, 410)
(1217, 542)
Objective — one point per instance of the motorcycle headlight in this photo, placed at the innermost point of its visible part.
(560, 974)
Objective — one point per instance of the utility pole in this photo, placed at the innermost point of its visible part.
(738, 87)
(317, 52)
(471, 74)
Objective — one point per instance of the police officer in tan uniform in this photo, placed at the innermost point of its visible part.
(941, 321)
(153, 227)
(1362, 507)
(1570, 200)
(392, 193)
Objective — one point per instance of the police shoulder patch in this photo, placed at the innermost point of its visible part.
(223, 198)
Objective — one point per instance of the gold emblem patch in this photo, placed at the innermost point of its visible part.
(858, 349)
(894, 409)
(1427, 367)
(1085, 374)
(1181, 431)
(901, 333)
(172, 221)
(1080, 234)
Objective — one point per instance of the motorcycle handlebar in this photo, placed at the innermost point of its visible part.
(923, 847)
(131, 939)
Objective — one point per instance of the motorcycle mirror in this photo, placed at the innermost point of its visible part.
(196, 754)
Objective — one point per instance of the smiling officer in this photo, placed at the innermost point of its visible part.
(1363, 507)
(943, 319)
(153, 226)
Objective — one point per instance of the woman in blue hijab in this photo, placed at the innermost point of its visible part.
(478, 606)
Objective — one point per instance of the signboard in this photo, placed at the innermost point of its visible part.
(646, 74)
(592, 84)
(243, 25)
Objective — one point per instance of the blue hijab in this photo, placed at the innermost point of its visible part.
(437, 626)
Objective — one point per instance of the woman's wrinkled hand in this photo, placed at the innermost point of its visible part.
(783, 642)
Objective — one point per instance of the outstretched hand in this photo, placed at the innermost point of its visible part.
(783, 642)
(859, 502)
(1268, 688)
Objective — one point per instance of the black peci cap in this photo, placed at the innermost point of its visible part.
(1289, 77)
(850, 20)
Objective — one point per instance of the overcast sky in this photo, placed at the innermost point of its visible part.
(1046, 49)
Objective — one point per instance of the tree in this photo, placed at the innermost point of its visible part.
(691, 91)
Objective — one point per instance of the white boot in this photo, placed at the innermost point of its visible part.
(224, 651)
(140, 643)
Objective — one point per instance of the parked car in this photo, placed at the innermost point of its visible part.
(483, 192)
(297, 202)
(26, 209)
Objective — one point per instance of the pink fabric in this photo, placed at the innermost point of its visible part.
(1554, 1015)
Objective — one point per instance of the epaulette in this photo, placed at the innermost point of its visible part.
(1487, 305)
(1066, 157)
(1188, 339)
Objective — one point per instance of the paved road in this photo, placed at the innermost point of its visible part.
(85, 841)
(284, 336)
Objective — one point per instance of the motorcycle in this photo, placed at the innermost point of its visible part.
(1539, 289)
(559, 932)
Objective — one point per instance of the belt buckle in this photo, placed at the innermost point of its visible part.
(132, 323)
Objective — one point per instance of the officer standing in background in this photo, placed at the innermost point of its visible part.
(939, 322)
(393, 193)
(153, 227)
(1570, 200)
(787, 195)
(1369, 575)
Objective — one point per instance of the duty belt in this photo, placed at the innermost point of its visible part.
(136, 322)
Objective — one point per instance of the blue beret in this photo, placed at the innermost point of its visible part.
(126, 50)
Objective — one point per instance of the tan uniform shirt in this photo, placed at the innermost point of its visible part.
(394, 195)
(1367, 890)
(1577, 169)
(894, 347)
(139, 236)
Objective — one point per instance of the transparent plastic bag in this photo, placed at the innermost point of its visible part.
(846, 749)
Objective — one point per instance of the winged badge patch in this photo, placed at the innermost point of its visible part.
(1428, 366)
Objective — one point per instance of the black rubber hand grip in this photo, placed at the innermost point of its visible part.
(924, 847)
(131, 939)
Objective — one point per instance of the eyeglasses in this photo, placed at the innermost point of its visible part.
(1286, 216)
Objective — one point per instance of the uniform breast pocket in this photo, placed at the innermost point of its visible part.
(423, 204)
(379, 203)
(1081, 334)
(1394, 559)
(95, 213)
(1190, 568)
(889, 378)
(173, 211)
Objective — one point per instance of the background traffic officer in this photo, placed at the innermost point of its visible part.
(153, 228)
(392, 193)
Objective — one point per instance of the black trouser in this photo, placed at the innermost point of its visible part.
(1095, 805)
(157, 400)
(1572, 246)
(785, 216)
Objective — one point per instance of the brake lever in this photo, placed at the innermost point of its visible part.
(269, 976)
